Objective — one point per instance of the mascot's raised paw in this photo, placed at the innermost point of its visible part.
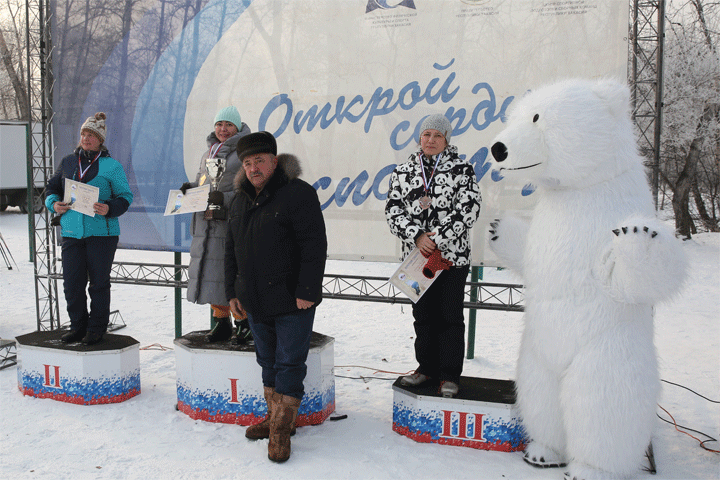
(645, 263)
(625, 230)
(507, 241)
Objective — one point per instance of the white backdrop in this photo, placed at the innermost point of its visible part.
(344, 84)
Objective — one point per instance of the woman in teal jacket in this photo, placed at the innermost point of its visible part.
(89, 242)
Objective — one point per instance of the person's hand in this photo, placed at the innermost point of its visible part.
(101, 208)
(185, 186)
(425, 244)
(60, 207)
(236, 308)
(303, 304)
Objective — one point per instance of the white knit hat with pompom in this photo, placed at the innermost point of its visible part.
(96, 125)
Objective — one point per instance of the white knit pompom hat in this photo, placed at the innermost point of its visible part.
(96, 125)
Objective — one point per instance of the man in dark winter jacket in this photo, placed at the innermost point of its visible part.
(274, 265)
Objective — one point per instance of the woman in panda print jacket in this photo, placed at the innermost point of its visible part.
(432, 204)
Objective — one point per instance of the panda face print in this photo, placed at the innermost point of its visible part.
(395, 210)
(416, 182)
(441, 180)
(445, 191)
(394, 195)
(445, 166)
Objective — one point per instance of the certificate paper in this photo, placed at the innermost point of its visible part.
(194, 200)
(409, 277)
(81, 197)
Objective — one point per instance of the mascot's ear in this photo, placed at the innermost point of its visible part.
(616, 96)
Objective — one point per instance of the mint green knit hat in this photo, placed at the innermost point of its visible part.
(229, 114)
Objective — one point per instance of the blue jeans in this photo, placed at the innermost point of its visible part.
(281, 347)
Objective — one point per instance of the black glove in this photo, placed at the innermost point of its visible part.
(184, 187)
(216, 198)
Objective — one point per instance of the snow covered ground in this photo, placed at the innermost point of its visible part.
(146, 437)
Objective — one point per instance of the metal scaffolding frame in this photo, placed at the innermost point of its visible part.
(40, 160)
(646, 33)
(645, 76)
(490, 296)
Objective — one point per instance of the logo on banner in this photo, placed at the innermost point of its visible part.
(388, 4)
(462, 426)
(54, 381)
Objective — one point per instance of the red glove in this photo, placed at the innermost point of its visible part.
(435, 262)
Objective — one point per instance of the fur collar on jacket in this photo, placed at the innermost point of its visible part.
(288, 166)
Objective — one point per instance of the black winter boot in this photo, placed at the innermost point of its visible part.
(73, 336)
(242, 334)
(221, 332)
(91, 338)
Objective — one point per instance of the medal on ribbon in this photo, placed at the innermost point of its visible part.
(425, 201)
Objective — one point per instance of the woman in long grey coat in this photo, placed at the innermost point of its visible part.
(207, 250)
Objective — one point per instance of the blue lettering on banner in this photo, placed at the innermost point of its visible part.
(345, 187)
(480, 163)
(281, 111)
(382, 102)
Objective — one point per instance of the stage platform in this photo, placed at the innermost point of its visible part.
(220, 382)
(482, 416)
(107, 372)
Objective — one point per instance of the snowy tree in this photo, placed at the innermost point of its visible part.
(690, 151)
(13, 83)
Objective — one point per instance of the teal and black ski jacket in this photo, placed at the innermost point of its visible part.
(108, 175)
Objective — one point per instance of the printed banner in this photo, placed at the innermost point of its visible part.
(342, 84)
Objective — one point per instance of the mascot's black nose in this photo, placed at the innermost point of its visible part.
(499, 151)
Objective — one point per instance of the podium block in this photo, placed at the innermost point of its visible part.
(482, 416)
(107, 372)
(220, 382)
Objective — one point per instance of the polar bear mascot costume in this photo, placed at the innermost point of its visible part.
(594, 260)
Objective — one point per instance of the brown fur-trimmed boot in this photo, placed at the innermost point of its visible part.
(262, 429)
(285, 411)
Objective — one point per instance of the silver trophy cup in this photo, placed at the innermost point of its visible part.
(215, 169)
